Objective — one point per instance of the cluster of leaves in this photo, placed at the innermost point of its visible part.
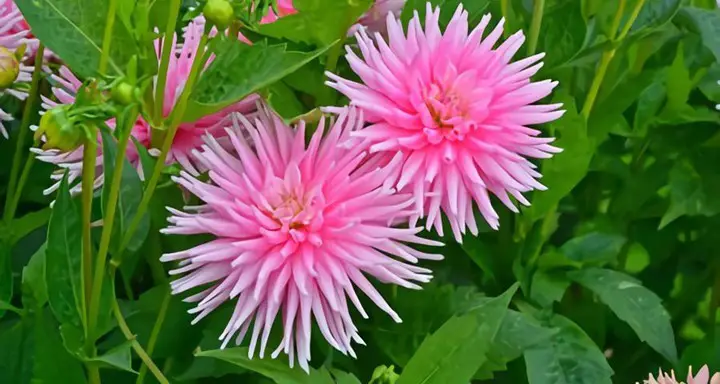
(612, 272)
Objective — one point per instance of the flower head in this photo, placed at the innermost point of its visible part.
(702, 377)
(297, 227)
(458, 111)
(374, 18)
(188, 136)
(12, 69)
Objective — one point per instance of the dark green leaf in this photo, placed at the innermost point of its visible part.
(565, 170)
(474, 8)
(707, 24)
(17, 346)
(6, 276)
(147, 162)
(63, 259)
(568, 357)
(562, 41)
(649, 104)
(633, 303)
(455, 351)
(53, 364)
(655, 13)
(239, 70)
(548, 288)
(74, 31)
(22, 226)
(283, 101)
(131, 191)
(691, 193)
(593, 247)
(275, 369)
(318, 22)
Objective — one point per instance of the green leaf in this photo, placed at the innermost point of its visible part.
(63, 259)
(679, 83)
(131, 191)
(119, 357)
(74, 31)
(318, 22)
(240, 70)
(16, 350)
(283, 100)
(569, 357)
(52, 361)
(654, 14)
(692, 193)
(638, 306)
(706, 23)
(562, 41)
(34, 287)
(548, 288)
(455, 351)
(275, 369)
(342, 377)
(22, 226)
(147, 162)
(594, 247)
(648, 107)
(474, 8)
(6, 276)
(565, 170)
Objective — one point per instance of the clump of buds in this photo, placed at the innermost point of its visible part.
(60, 130)
(219, 12)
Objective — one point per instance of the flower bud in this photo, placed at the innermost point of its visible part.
(60, 131)
(9, 68)
(123, 93)
(219, 12)
(384, 375)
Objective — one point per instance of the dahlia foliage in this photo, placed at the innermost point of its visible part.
(296, 191)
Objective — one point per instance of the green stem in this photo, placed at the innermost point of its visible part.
(13, 196)
(167, 49)
(610, 53)
(93, 373)
(21, 184)
(535, 25)
(505, 11)
(133, 342)
(107, 37)
(175, 120)
(155, 334)
(88, 179)
(109, 219)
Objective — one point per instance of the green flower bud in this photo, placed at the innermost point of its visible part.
(9, 68)
(123, 93)
(60, 130)
(219, 12)
(384, 375)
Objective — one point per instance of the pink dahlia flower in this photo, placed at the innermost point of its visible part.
(188, 137)
(13, 70)
(284, 8)
(457, 109)
(702, 377)
(297, 227)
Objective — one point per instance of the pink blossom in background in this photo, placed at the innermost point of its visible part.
(457, 109)
(702, 377)
(188, 137)
(297, 228)
(11, 37)
(375, 18)
(284, 8)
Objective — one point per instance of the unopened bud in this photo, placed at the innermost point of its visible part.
(219, 12)
(384, 375)
(9, 68)
(123, 93)
(60, 131)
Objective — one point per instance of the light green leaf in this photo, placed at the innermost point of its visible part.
(74, 31)
(342, 377)
(240, 70)
(283, 100)
(318, 22)
(474, 8)
(275, 369)
(34, 287)
(119, 357)
(131, 191)
(63, 259)
(548, 288)
(638, 306)
(457, 350)
(568, 357)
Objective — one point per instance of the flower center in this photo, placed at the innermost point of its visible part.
(447, 115)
